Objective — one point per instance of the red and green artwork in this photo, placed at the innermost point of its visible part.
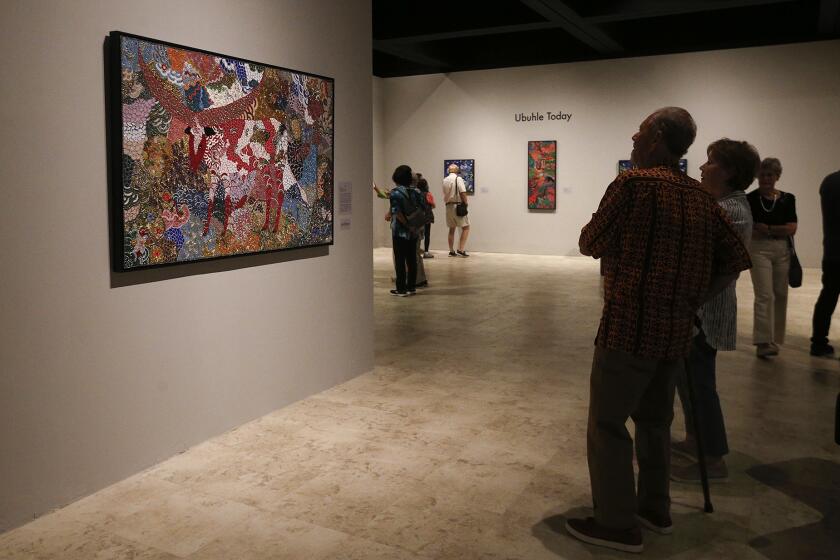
(215, 156)
(542, 175)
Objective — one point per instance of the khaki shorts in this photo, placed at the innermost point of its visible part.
(453, 220)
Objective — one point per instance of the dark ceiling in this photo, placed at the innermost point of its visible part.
(425, 37)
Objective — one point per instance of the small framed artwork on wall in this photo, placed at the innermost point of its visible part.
(214, 156)
(542, 175)
(467, 167)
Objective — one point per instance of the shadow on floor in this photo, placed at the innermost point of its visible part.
(811, 481)
(815, 483)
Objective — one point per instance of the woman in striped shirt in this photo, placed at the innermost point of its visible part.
(731, 167)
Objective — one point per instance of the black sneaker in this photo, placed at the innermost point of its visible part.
(822, 350)
(657, 524)
(410, 292)
(398, 293)
(453, 254)
(588, 531)
(463, 253)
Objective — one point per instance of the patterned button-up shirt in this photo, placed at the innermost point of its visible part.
(719, 315)
(662, 238)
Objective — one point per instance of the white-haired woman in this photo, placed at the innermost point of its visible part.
(774, 219)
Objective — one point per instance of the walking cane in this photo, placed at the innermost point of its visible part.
(837, 421)
(701, 458)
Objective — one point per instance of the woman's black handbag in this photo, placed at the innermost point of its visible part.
(795, 271)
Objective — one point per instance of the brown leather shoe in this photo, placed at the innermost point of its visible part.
(588, 531)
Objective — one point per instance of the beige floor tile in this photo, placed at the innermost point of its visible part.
(349, 496)
(420, 524)
(68, 539)
(159, 514)
(491, 487)
(522, 450)
(354, 548)
(269, 536)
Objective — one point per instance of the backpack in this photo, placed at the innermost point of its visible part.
(420, 199)
(413, 206)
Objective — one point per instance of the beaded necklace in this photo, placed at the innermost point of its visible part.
(772, 206)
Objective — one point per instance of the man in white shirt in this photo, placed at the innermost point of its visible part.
(455, 191)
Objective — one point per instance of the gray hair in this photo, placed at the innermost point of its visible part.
(453, 168)
(772, 165)
(678, 129)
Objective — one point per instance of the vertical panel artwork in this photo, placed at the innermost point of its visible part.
(542, 175)
(215, 156)
(467, 172)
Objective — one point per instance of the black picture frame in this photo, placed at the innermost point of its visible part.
(467, 166)
(552, 188)
(115, 147)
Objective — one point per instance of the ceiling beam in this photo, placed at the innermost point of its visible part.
(462, 33)
(581, 29)
(410, 53)
(643, 9)
(829, 23)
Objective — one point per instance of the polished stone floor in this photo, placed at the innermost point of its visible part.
(468, 441)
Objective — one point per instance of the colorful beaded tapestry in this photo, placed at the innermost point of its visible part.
(215, 156)
(467, 167)
(542, 175)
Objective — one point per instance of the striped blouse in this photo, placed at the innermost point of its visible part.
(719, 315)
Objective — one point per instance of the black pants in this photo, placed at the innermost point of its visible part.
(701, 360)
(405, 259)
(827, 302)
(428, 237)
(624, 386)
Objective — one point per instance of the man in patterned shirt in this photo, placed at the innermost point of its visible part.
(667, 247)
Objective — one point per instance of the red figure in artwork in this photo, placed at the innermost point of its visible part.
(230, 152)
(270, 188)
(229, 144)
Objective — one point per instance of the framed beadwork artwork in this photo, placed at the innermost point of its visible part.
(214, 156)
(625, 164)
(467, 167)
(542, 175)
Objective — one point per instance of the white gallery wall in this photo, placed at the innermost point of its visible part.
(102, 374)
(381, 173)
(783, 99)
